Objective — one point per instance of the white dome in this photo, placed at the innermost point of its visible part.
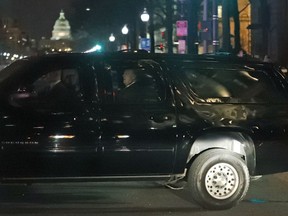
(61, 29)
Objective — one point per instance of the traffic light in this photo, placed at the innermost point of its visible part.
(163, 34)
(206, 30)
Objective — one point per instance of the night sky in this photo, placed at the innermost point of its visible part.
(37, 17)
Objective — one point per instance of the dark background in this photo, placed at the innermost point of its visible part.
(37, 17)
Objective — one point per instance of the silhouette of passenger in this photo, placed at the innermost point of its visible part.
(132, 88)
(62, 91)
(137, 87)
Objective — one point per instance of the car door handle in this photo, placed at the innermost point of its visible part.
(160, 118)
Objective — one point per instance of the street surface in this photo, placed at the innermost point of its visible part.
(266, 197)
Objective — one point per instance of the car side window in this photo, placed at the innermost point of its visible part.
(55, 90)
(233, 85)
(47, 82)
(132, 84)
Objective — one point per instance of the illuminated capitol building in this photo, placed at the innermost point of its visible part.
(61, 40)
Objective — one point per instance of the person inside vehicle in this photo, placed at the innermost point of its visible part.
(132, 87)
(139, 87)
(62, 89)
(57, 88)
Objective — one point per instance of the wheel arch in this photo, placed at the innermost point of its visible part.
(237, 142)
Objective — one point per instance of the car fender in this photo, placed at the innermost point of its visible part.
(236, 142)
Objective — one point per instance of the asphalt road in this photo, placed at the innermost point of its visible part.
(267, 196)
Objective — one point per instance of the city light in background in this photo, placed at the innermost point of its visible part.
(125, 30)
(96, 48)
(145, 16)
(112, 38)
(151, 26)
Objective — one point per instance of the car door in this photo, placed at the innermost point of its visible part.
(138, 135)
(248, 98)
(49, 136)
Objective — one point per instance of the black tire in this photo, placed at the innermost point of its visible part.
(218, 179)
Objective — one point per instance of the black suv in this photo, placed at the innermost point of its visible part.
(221, 119)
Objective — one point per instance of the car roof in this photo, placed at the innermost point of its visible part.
(228, 59)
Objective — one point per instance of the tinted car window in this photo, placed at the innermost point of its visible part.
(234, 84)
(55, 89)
(132, 82)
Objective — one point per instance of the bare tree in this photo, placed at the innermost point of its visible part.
(193, 19)
(230, 10)
(235, 15)
(226, 45)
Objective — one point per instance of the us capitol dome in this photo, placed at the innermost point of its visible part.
(61, 29)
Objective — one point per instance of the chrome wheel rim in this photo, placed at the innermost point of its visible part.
(221, 181)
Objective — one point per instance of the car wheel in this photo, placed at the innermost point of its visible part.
(218, 179)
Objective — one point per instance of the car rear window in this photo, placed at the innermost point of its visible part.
(234, 84)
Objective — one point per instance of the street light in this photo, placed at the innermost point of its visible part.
(145, 42)
(125, 31)
(111, 45)
(112, 38)
(145, 16)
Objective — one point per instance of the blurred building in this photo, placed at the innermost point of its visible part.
(61, 40)
(14, 42)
